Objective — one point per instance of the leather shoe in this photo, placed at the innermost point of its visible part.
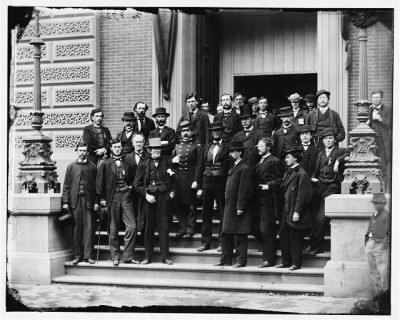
(238, 265)
(203, 247)
(91, 261)
(282, 266)
(219, 249)
(133, 261)
(76, 260)
(167, 261)
(294, 267)
(220, 264)
(115, 263)
(179, 235)
(146, 261)
(265, 264)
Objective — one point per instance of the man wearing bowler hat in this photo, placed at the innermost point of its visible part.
(155, 182)
(166, 134)
(309, 100)
(125, 136)
(143, 124)
(324, 118)
(299, 115)
(237, 214)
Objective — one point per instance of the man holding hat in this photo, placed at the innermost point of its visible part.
(143, 124)
(287, 135)
(237, 214)
(377, 244)
(165, 133)
(324, 118)
(299, 115)
(186, 163)
(309, 100)
(155, 182)
(229, 118)
(265, 121)
(96, 137)
(79, 195)
(125, 136)
(214, 169)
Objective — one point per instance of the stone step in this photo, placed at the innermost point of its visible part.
(210, 257)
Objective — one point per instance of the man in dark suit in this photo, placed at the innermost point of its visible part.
(125, 136)
(229, 118)
(266, 121)
(165, 133)
(114, 188)
(299, 115)
(237, 214)
(214, 168)
(97, 137)
(269, 173)
(380, 119)
(309, 152)
(309, 100)
(155, 182)
(143, 124)
(79, 195)
(198, 119)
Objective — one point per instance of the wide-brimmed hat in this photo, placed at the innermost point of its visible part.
(217, 126)
(294, 97)
(328, 94)
(379, 198)
(128, 116)
(309, 97)
(295, 150)
(328, 132)
(252, 100)
(160, 111)
(185, 124)
(154, 143)
(285, 112)
(247, 112)
(305, 128)
(236, 145)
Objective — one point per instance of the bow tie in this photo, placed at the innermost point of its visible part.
(306, 144)
(217, 142)
(247, 130)
(139, 154)
(377, 108)
(227, 114)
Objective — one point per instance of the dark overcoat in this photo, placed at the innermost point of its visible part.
(90, 138)
(383, 131)
(300, 118)
(238, 192)
(250, 154)
(167, 135)
(285, 138)
(297, 191)
(126, 142)
(232, 124)
(309, 159)
(147, 126)
(268, 124)
(200, 123)
(336, 123)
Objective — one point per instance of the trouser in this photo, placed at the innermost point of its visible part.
(157, 216)
(83, 229)
(186, 215)
(210, 192)
(291, 242)
(267, 225)
(229, 241)
(377, 252)
(122, 207)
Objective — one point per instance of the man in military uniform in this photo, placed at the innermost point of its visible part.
(229, 118)
(299, 115)
(143, 124)
(125, 136)
(265, 121)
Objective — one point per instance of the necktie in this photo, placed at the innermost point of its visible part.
(191, 114)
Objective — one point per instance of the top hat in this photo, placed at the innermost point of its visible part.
(252, 100)
(247, 112)
(160, 111)
(154, 143)
(236, 145)
(305, 128)
(328, 132)
(379, 198)
(185, 124)
(328, 94)
(285, 112)
(294, 97)
(128, 116)
(217, 126)
(309, 97)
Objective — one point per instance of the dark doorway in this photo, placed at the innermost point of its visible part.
(276, 87)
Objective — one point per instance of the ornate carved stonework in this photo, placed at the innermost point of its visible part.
(73, 50)
(25, 97)
(55, 119)
(363, 149)
(68, 73)
(60, 28)
(25, 53)
(18, 142)
(67, 141)
(65, 96)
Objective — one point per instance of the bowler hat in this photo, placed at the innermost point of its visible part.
(160, 111)
(185, 124)
(309, 97)
(295, 150)
(128, 116)
(305, 128)
(217, 126)
(252, 100)
(379, 198)
(294, 97)
(328, 132)
(236, 145)
(154, 143)
(285, 112)
(328, 94)
(247, 112)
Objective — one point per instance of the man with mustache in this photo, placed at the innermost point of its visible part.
(143, 124)
(125, 136)
(229, 118)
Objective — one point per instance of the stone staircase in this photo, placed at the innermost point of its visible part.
(196, 270)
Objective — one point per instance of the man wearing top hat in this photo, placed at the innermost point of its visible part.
(143, 124)
(155, 182)
(377, 244)
(324, 118)
(96, 137)
(125, 136)
(186, 163)
(309, 100)
(299, 115)
(214, 168)
(287, 135)
(165, 133)
(229, 118)
(79, 195)
(327, 177)
(266, 121)
(237, 214)
(114, 188)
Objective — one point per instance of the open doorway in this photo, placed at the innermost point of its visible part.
(276, 87)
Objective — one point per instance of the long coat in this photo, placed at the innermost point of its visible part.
(238, 192)
(297, 192)
(200, 123)
(148, 125)
(90, 138)
(383, 130)
(231, 123)
(309, 159)
(250, 154)
(168, 139)
(282, 140)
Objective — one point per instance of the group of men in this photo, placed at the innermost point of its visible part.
(257, 167)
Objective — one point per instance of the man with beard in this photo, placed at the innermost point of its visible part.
(230, 119)
(79, 195)
(324, 118)
(186, 162)
(269, 173)
(154, 182)
(143, 124)
(238, 102)
(114, 188)
(125, 136)
(214, 168)
(165, 133)
(265, 121)
(287, 136)
(96, 137)
(198, 119)
(299, 115)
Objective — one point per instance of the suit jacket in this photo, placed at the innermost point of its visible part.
(238, 193)
(383, 130)
(250, 154)
(106, 180)
(232, 124)
(148, 125)
(126, 142)
(309, 159)
(200, 123)
(168, 136)
(89, 137)
(268, 124)
(325, 164)
(336, 123)
(131, 159)
(300, 118)
(282, 140)
(71, 184)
